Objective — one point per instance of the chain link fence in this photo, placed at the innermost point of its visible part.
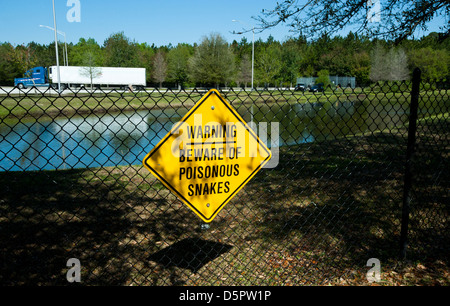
(350, 185)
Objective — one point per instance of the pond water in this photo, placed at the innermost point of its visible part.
(125, 139)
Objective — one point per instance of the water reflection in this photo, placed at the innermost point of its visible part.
(124, 139)
(104, 140)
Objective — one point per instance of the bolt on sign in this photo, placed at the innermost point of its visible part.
(208, 156)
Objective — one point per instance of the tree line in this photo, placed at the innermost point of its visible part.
(216, 62)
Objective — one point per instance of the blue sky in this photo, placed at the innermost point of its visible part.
(160, 22)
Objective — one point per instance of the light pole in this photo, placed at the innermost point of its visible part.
(253, 61)
(66, 58)
(56, 47)
(253, 49)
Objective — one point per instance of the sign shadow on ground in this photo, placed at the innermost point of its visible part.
(190, 253)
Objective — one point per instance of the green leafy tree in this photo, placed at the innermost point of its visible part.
(7, 71)
(212, 62)
(241, 48)
(177, 67)
(360, 68)
(120, 51)
(435, 64)
(45, 54)
(323, 76)
(291, 56)
(309, 61)
(145, 55)
(86, 49)
(268, 64)
(399, 18)
(20, 59)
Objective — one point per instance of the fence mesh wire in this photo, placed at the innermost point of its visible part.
(73, 186)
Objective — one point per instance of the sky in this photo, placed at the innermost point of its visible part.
(160, 22)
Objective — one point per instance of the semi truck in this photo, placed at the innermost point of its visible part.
(76, 76)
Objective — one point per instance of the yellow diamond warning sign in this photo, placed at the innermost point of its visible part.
(208, 156)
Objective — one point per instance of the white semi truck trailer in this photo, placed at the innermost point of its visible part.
(76, 76)
(98, 76)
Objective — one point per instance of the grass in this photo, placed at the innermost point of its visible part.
(315, 219)
(38, 105)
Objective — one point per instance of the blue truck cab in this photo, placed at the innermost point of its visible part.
(37, 76)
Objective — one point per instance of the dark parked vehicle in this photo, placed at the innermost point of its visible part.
(317, 88)
(300, 87)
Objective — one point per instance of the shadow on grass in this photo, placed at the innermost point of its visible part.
(342, 201)
(328, 207)
(49, 217)
(190, 253)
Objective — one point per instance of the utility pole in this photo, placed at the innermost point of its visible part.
(66, 58)
(253, 49)
(56, 48)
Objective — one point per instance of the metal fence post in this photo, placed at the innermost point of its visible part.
(409, 153)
